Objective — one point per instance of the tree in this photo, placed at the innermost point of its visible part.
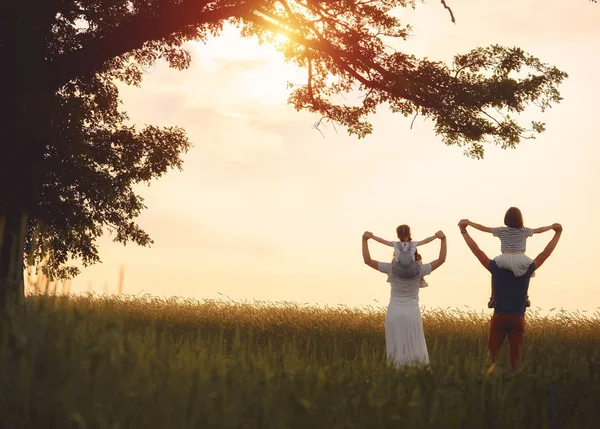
(68, 162)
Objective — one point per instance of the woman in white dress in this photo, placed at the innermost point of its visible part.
(404, 338)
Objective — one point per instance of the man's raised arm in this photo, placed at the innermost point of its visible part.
(472, 245)
(541, 258)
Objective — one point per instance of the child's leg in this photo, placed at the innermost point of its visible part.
(518, 263)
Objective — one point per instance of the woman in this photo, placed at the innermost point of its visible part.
(404, 338)
(419, 260)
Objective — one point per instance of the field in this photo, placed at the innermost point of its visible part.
(92, 362)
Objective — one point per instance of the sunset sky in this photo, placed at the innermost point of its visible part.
(267, 208)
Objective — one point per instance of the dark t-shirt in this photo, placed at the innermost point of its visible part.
(510, 292)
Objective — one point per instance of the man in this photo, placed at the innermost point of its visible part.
(511, 295)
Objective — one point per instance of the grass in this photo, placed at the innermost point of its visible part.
(119, 362)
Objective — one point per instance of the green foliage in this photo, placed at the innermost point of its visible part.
(93, 159)
(66, 55)
(90, 174)
(95, 363)
(343, 45)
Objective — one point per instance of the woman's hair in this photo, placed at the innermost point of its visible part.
(513, 218)
(403, 232)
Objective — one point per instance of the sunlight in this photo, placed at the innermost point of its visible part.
(280, 38)
(268, 82)
(254, 155)
(233, 114)
(260, 72)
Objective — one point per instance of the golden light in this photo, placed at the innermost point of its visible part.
(280, 38)
(263, 74)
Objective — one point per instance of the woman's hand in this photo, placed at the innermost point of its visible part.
(463, 223)
(557, 227)
(443, 250)
(367, 235)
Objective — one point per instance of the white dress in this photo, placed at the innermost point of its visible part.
(404, 337)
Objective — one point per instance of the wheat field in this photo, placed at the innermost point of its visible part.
(86, 361)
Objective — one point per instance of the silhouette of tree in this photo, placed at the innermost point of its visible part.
(68, 162)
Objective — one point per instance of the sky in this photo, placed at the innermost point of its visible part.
(269, 209)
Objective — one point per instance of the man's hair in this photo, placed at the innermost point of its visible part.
(513, 218)
(403, 231)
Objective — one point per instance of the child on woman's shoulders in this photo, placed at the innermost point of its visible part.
(407, 262)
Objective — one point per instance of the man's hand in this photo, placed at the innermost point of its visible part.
(440, 235)
(557, 227)
(367, 235)
(479, 254)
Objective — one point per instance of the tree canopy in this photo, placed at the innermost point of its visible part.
(83, 160)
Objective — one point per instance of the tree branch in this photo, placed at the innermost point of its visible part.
(413, 120)
(490, 116)
(310, 78)
(134, 35)
(317, 46)
(449, 10)
(322, 41)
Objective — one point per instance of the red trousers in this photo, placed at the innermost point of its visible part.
(503, 325)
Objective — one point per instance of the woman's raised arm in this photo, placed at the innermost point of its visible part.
(443, 251)
(365, 251)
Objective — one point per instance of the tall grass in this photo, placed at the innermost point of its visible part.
(122, 362)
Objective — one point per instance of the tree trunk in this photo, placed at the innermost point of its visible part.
(13, 226)
(18, 179)
(16, 199)
(23, 126)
